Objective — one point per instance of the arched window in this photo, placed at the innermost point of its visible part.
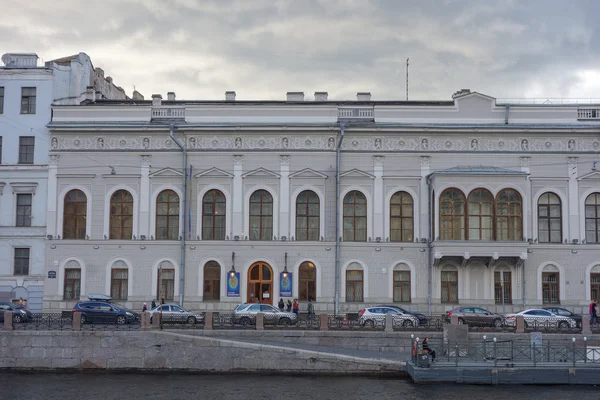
(402, 284)
(213, 215)
(592, 219)
(509, 215)
(261, 215)
(166, 281)
(355, 217)
(355, 283)
(167, 215)
(212, 281)
(121, 215)
(549, 218)
(72, 287)
(452, 215)
(307, 216)
(74, 215)
(307, 281)
(119, 281)
(480, 215)
(401, 217)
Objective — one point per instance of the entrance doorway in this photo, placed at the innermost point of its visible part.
(260, 283)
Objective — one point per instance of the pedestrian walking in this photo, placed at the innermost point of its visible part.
(295, 307)
(289, 306)
(281, 304)
(144, 307)
(593, 313)
(311, 309)
(162, 300)
(153, 304)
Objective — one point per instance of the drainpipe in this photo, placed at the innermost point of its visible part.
(506, 111)
(184, 204)
(429, 243)
(338, 227)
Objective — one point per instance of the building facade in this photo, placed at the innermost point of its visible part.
(425, 204)
(26, 94)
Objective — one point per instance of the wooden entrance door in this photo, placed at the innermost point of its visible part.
(260, 283)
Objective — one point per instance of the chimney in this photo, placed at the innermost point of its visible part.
(320, 96)
(156, 99)
(230, 95)
(461, 92)
(100, 72)
(295, 96)
(363, 96)
(137, 95)
(171, 96)
(90, 93)
(108, 79)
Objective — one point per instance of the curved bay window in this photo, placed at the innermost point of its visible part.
(355, 217)
(261, 215)
(308, 216)
(74, 215)
(121, 215)
(452, 215)
(212, 281)
(213, 215)
(480, 208)
(307, 281)
(401, 217)
(509, 215)
(167, 215)
(549, 218)
(592, 219)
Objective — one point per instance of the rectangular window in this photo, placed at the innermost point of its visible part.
(28, 98)
(550, 288)
(502, 286)
(212, 283)
(1, 99)
(402, 286)
(22, 261)
(449, 286)
(118, 284)
(354, 286)
(26, 147)
(166, 284)
(595, 286)
(24, 209)
(72, 284)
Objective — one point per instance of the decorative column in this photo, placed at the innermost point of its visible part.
(237, 225)
(424, 225)
(573, 200)
(527, 231)
(145, 196)
(378, 219)
(52, 190)
(284, 196)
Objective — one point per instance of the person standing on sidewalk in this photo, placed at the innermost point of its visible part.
(593, 313)
(289, 306)
(311, 309)
(281, 304)
(295, 307)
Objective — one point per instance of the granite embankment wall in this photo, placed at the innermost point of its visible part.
(158, 351)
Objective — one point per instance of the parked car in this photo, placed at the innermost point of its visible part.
(175, 314)
(370, 316)
(19, 313)
(476, 316)
(423, 319)
(563, 312)
(104, 312)
(541, 318)
(245, 314)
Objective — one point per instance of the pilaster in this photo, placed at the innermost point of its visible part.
(237, 225)
(284, 202)
(378, 198)
(424, 226)
(145, 195)
(573, 199)
(52, 199)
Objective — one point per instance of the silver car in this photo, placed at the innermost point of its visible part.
(245, 314)
(174, 314)
(376, 315)
(541, 318)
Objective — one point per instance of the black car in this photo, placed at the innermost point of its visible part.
(563, 312)
(423, 319)
(103, 312)
(19, 313)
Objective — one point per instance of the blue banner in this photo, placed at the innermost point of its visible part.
(285, 285)
(233, 285)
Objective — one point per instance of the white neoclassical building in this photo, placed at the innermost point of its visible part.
(27, 90)
(427, 204)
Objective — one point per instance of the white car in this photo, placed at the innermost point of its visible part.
(536, 317)
(174, 314)
(376, 315)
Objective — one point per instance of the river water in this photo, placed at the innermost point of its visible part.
(108, 386)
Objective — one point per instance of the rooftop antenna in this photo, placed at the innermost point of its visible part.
(407, 78)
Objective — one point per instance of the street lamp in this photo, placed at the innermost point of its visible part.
(232, 272)
(285, 270)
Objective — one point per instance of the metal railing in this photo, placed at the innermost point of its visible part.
(355, 113)
(187, 321)
(167, 112)
(46, 322)
(588, 113)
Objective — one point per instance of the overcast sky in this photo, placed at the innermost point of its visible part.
(265, 48)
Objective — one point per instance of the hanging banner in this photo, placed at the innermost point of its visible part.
(233, 285)
(285, 285)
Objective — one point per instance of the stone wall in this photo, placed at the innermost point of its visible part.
(156, 351)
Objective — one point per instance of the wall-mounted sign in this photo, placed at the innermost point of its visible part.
(51, 274)
(285, 285)
(233, 285)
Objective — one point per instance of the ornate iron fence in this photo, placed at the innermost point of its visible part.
(223, 320)
(45, 322)
(433, 323)
(188, 321)
(302, 322)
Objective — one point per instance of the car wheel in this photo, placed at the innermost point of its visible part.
(497, 323)
(285, 321)
(191, 320)
(245, 321)
(563, 325)
(407, 323)
(461, 321)
(17, 319)
(369, 323)
(121, 320)
(83, 319)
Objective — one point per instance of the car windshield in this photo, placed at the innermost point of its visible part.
(241, 307)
